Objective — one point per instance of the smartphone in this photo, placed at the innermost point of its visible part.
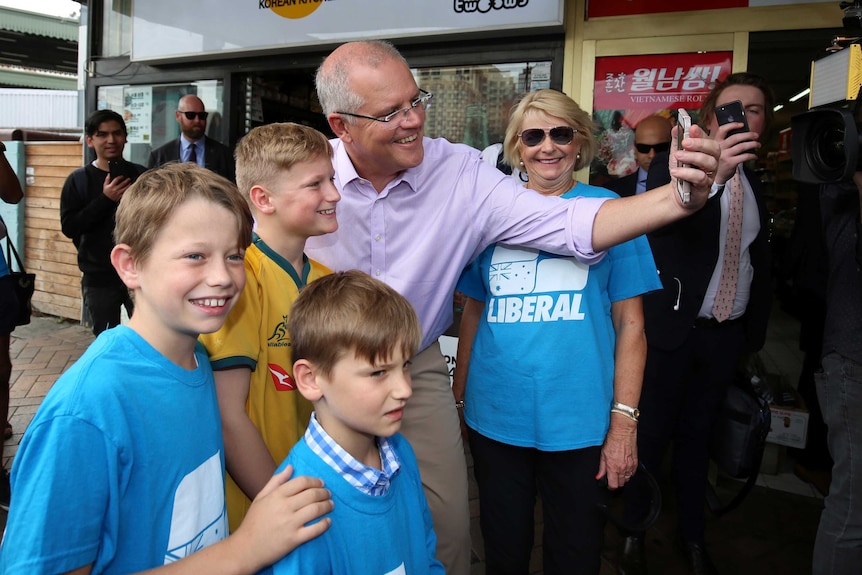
(729, 113)
(683, 120)
(116, 168)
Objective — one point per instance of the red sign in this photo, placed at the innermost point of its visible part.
(627, 89)
(601, 8)
(658, 81)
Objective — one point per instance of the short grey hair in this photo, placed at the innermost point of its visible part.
(333, 76)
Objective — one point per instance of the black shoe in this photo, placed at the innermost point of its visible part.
(697, 559)
(633, 556)
(5, 490)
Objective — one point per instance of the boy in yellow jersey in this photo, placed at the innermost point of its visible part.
(286, 171)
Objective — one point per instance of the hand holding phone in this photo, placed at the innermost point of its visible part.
(119, 179)
(683, 120)
(730, 113)
(116, 168)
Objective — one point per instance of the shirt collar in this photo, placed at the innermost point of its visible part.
(366, 479)
(345, 171)
(186, 142)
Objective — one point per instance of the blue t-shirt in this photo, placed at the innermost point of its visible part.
(542, 366)
(4, 267)
(373, 535)
(122, 466)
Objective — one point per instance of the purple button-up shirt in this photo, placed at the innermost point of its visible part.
(419, 233)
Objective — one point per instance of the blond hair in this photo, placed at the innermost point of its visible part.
(266, 151)
(351, 312)
(558, 105)
(153, 198)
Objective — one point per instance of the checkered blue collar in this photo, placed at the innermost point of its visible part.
(366, 479)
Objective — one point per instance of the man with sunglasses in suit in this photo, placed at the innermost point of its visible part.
(652, 136)
(193, 145)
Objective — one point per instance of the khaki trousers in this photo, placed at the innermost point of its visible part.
(431, 425)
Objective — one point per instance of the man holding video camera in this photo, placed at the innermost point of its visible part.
(714, 306)
(838, 547)
(826, 150)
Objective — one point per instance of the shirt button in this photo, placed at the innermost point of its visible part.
(377, 273)
(377, 238)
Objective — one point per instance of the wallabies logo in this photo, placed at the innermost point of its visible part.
(279, 337)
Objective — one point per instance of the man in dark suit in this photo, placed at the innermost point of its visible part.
(193, 145)
(652, 136)
(706, 316)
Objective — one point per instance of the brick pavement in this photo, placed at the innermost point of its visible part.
(40, 352)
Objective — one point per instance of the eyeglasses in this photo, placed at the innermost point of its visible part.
(560, 135)
(659, 148)
(423, 102)
(191, 115)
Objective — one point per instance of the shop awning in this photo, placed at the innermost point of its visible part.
(23, 78)
(24, 22)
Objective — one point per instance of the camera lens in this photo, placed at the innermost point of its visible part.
(826, 145)
(824, 148)
(828, 148)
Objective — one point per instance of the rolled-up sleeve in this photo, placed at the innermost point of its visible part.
(579, 234)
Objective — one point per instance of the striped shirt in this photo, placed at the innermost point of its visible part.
(366, 479)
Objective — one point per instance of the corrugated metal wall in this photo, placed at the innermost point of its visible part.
(24, 108)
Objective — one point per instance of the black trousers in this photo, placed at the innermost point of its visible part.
(103, 304)
(682, 392)
(509, 477)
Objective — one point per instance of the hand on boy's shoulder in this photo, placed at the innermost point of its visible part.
(279, 517)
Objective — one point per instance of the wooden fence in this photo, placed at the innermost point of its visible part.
(48, 253)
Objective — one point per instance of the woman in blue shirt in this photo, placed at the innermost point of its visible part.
(550, 363)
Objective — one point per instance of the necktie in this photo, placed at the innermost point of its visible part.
(726, 293)
(193, 153)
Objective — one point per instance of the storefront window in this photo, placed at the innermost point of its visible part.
(472, 103)
(149, 112)
(116, 28)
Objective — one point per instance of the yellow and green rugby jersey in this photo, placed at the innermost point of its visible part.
(255, 336)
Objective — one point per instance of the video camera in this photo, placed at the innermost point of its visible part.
(827, 140)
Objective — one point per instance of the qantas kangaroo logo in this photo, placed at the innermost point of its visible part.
(282, 380)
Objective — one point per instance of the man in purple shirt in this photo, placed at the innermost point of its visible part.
(415, 211)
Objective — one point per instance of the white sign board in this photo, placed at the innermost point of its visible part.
(138, 113)
(449, 349)
(164, 30)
